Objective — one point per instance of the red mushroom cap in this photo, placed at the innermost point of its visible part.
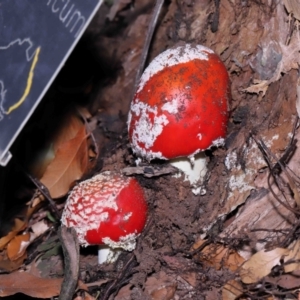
(181, 104)
(107, 209)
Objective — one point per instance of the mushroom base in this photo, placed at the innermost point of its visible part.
(107, 254)
(194, 169)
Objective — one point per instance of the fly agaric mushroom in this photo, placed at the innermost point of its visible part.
(108, 209)
(180, 109)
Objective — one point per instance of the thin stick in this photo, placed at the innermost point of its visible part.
(151, 28)
(45, 192)
(70, 245)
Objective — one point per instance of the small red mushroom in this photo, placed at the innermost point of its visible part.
(180, 107)
(107, 209)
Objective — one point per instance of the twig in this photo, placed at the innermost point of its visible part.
(199, 249)
(290, 149)
(42, 189)
(280, 166)
(89, 130)
(45, 192)
(151, 28)
(70, 247)
(119, 277)
(272, 174)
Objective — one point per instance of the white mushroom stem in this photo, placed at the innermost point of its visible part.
(110, 250)
(193, 168)
(107, 254)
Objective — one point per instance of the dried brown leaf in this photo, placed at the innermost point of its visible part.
(292, 259)
(17, 246)
(292, 6)
(33, 205)
(124, 293)
(25, 283)
(212, 294)
(261, 264)
(218, 256)
(68, 129)
(164, 293)
(259, 86)
(161, 286)
(286, 281)
(191, 278)
(85, 296)
(69, 164)
(9, 266)
(232, 290)
(19, 225)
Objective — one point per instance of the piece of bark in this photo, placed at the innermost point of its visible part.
(149, 171)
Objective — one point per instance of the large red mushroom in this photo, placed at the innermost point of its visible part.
(107, 209)
(180, 108)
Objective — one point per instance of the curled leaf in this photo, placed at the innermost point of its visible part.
(17, 246)
(25, 283)
(69, 164)
(261, 264)
(19, 225)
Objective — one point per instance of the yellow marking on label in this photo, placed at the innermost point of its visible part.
(29, 82)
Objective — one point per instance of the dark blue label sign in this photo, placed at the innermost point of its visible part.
(36, 37)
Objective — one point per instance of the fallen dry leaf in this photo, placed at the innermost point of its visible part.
(25, 283)
(85, 296)
(69, 164)
(17, 246)
(8, 265)
(164, 293)
(33, 205)
(161, 286)
(261, 264)
(286, 281)
(259, 86)
(232, 290)
(292, 259)
(66, 130)
(218, 256)
(19, 225)
(124, 293)
(212, 294)
(190, 278)
(292, 6)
